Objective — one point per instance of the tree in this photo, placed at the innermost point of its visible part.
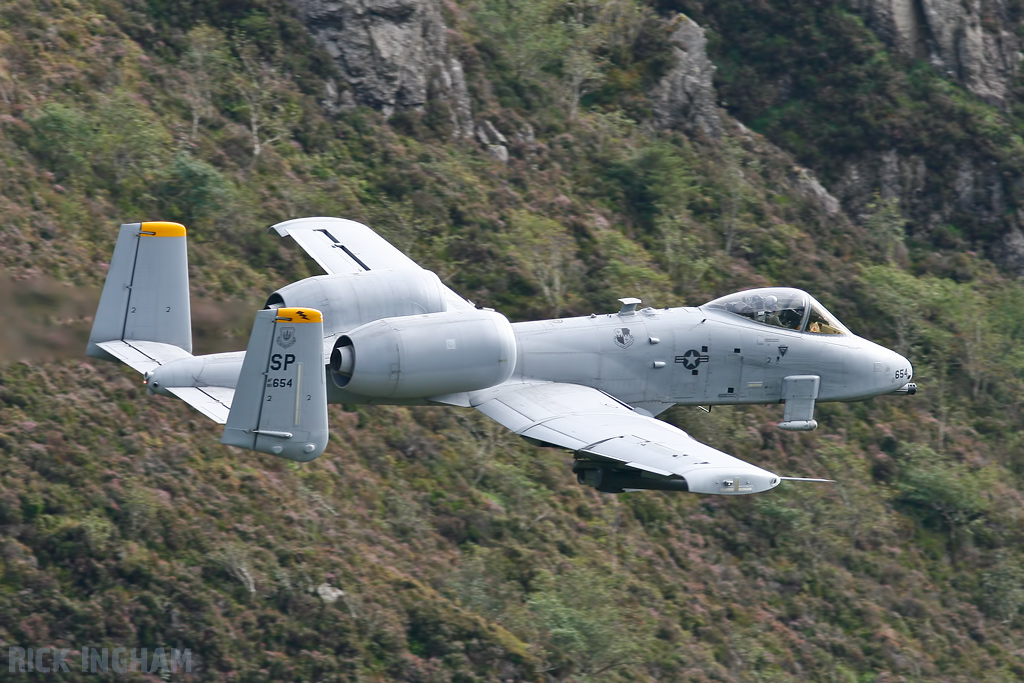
(581, 627)
(655, 179)
(193, 189)
(887, 227)
(131, 143)
(62, 139)
(628, 272)
(898, 298)
(545, 253)
(622, 23)
(417, 233)
(205, 62)
(260, 86)
(685, 255)
(735, 193)
(965, 310)
(1002, 588)
(951, 495)
(529, 33)
(8, 89)
(581, 69)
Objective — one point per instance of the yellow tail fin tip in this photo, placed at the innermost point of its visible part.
(300, 315)
(163, 229)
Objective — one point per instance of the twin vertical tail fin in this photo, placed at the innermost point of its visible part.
(280, 403)
(145, 298)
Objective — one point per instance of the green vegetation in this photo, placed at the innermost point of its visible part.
(463, 553)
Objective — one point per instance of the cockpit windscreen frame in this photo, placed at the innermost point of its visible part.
(783, 307)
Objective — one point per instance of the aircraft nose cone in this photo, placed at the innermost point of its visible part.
(897, 370)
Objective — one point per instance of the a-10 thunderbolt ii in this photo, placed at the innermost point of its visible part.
(380, 329)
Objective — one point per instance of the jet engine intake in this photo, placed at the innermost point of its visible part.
(425, 355)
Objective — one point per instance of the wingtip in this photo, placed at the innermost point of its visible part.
(310, 223)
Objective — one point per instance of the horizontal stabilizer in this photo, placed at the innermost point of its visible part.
(143, 356)
(146, 356)
(213, 402)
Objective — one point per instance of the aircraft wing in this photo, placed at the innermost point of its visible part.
(343, 246)
(604, 432)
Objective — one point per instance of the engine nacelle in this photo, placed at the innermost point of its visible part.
(426, 355)
(350, 300)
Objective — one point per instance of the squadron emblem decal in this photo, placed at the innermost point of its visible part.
(623, 337)
(286, 337)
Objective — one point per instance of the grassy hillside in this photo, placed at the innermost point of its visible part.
(463, 553)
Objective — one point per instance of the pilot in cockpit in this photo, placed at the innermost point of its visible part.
(771, 310)
(790, 319)
(781, 307)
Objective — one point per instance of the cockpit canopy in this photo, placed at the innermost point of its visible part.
(784, 307)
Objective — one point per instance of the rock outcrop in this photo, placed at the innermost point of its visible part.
(889, 175)
(1008, 252)
(685, 98)
(805, 182)
(393, 53)
(971, 40)
(493, 141)
(973, 192)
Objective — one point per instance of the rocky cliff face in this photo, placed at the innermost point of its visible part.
(890, 176)
(393, 53)
(975, 188)
(685, 98)
(971, 41)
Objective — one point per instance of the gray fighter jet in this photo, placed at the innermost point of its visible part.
(380, 329)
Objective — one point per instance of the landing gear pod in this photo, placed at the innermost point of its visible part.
(280, 403)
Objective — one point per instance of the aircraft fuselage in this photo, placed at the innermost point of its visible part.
(692, 356)
(655, 358)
